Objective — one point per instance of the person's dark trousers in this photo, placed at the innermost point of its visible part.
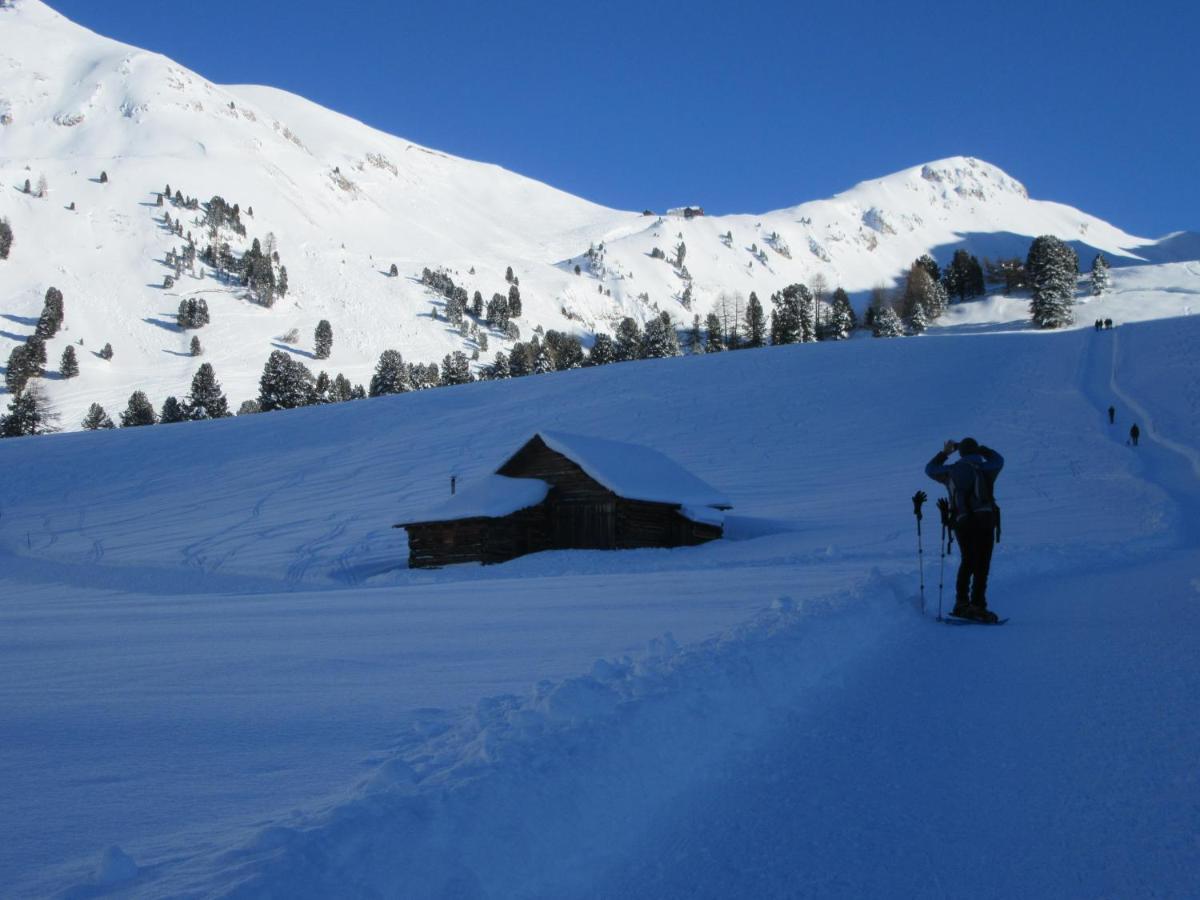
(976, 534)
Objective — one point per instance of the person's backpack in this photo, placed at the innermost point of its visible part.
(978, 499)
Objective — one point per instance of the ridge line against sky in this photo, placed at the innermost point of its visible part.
(639, 107)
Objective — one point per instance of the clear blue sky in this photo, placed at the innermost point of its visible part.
(737, 107)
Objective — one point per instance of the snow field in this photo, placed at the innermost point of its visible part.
(146, 599)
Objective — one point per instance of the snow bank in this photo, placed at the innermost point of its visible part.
(529, 796)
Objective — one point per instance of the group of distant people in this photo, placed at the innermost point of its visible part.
(1103, 324)
(1134, 431)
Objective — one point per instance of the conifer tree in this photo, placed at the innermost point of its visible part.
(171, 411)
(104, 178)
(929, 264)
(51, 318)
(6, 238)
(194, 348)
(917, 322)
(19, 370)
(323, 339)
(477, 305)
(842, 319)
(660, 339)
(500, 368)
(1099, 275)
(35, 355)
(456, 369)
(139, 411)
(696, 336)
(756, 322)
(806, 305)
(715, 342)
(206, 400)
(29, 413)
(542, 362)
(964, 277)
(1053, 268)
(285, 383)
(604, 351)
(249, 408)
(97, 419)
(514, 302)
(341, 390)
(887, 323)
(68, 367)
(393, 271)
(629, 340)
(106, 352)
(390, 376)
(508, 274)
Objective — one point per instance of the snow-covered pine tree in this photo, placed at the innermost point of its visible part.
(456, 369)
(629, 340)
(51, 318)
(138, 412)
(660, 339)
(604, 351)
(35, 354)
(542, 363)
(887, 323)
(756, 322)
(499, 369)
(714, 336)
(842, 318)
(97, 419)
(807, 308)
(106, 352)
(18, 371)
(68, 366)
(964, 277)
(696, 336)
(206, 400)
(285, 383)
(194, 348)
(1053, 269)
(171, 412)
(929, 264)
(917, 322)
(390, 376)
(29, 413)
(498, 312)
(249, 408)
(514, 302)
(1100, 278)
(323, 339)
(6, 238)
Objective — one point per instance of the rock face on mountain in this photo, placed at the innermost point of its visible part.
(100, 131)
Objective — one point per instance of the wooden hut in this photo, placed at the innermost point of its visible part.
(563, 491)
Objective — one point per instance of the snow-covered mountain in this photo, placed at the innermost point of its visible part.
(344, 202)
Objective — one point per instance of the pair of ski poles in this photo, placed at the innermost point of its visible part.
(944, 545)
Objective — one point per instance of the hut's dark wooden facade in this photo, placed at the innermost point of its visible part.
(576, 512)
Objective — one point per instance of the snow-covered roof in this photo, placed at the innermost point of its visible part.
(634, 471)
(492, 497)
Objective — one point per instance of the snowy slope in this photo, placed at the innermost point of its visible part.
(344, 202)
(213, 658)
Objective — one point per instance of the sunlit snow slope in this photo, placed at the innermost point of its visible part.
(344, 202)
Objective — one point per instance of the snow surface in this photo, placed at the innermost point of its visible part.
(633, 471)
(345, 201)
(218, 679)
(490, 497)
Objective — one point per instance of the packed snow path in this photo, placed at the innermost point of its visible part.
(1055, 756)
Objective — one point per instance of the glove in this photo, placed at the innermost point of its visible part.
(943, 506)
(918, 498)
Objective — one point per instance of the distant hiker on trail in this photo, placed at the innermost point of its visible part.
(1134, 432)
(975, 517)
(1112, 414)
(1108, 323)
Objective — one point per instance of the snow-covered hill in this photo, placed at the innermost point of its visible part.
(344, 202)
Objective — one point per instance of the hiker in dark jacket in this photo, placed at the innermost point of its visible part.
(1112, 414)
(974, 516)
(1134, 433)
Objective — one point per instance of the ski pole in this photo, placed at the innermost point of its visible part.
(944, 547)
(918, 499)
